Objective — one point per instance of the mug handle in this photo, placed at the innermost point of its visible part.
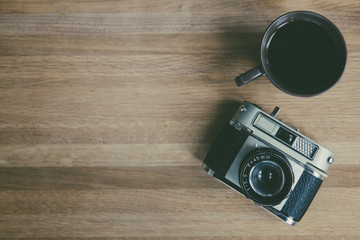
(249, 76)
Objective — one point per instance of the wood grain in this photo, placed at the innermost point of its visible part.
(109, 107)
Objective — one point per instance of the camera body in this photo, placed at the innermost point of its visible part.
(268, 162)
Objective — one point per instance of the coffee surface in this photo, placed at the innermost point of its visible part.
(302, 58)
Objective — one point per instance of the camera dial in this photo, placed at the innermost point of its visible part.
(265, 176)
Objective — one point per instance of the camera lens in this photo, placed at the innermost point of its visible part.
(267, 178)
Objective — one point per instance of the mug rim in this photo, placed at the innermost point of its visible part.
(266, 39)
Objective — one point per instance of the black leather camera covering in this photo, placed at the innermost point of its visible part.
(301, 197)
(225, 149)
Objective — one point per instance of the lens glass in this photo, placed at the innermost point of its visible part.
(267, 178)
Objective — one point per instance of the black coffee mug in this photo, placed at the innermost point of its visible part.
(302, 53)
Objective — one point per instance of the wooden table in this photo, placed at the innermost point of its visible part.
(109, 107)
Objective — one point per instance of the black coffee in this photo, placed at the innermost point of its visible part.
(303, 58)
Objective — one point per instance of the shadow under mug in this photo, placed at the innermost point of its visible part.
(302, 53)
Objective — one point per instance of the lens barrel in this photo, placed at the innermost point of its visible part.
(265, 176)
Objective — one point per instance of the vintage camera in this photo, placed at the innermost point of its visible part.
(268, 162)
